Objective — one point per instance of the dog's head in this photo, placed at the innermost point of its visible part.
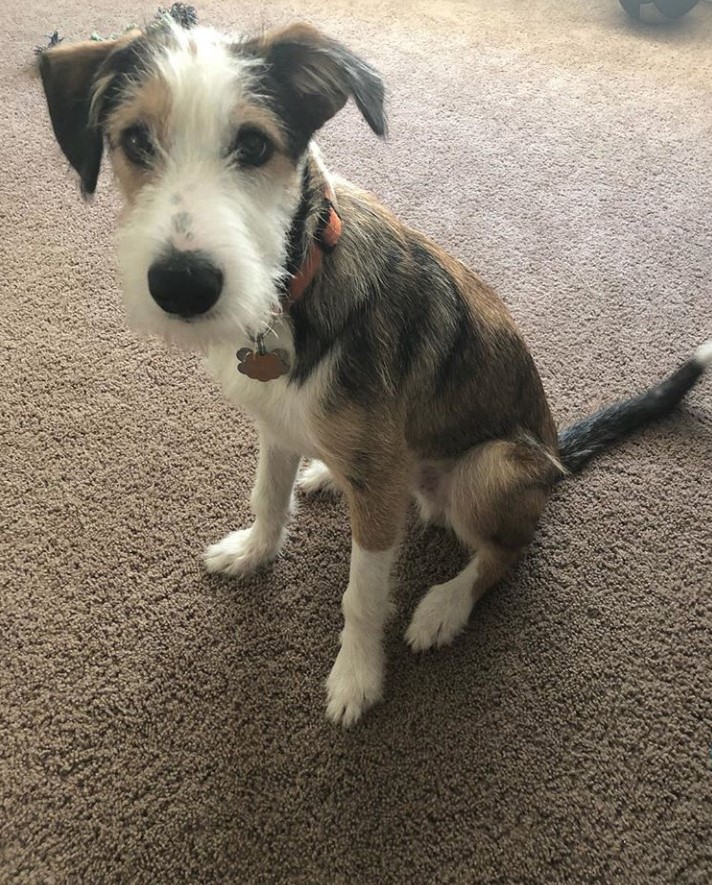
(207, 137)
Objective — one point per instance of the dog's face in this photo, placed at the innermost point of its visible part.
(207, 137)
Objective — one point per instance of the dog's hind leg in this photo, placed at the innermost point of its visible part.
(430, 491)
(316, 478)
(497, 494)
(445, 609)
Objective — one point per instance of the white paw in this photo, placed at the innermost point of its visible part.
(354, 684)
(240, 553)
(441, 614)
(317, 477)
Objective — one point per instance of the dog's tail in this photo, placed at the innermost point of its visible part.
(586, 438)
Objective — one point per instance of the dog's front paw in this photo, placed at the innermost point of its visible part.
(317, 478)
(354, 684)
(240, 553)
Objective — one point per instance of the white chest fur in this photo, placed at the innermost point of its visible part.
(284, 411)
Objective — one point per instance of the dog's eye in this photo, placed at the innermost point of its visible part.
(138, 145)
(252, 147)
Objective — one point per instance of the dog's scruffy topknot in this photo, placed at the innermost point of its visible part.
(182, 14)
(185, 16)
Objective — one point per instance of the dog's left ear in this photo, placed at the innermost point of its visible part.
(319, 75)
(68, 75)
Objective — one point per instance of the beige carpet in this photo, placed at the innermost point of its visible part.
(159, 725)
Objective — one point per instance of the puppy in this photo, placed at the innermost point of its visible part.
(351, 339)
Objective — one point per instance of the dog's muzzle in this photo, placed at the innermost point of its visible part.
(185, 283)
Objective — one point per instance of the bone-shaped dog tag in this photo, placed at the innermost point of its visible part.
(262, 366)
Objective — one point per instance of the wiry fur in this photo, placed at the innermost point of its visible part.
(225, 206)
(407, 377)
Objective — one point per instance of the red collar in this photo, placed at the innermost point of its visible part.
(326, 237)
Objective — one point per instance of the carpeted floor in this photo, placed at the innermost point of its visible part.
(160, 725)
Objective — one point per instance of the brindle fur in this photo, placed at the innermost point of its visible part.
(430, 368)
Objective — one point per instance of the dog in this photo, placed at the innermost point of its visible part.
(351, 339)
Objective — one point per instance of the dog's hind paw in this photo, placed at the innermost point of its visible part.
(240, 553)
(316, 478)
(440, 616)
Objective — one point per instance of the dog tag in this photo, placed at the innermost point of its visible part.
(262, 364)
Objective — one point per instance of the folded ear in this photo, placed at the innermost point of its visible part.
(317, 75)
(68, 75)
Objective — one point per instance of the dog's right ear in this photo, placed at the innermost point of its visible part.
(68, 76)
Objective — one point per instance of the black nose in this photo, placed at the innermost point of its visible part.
(185, 283)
